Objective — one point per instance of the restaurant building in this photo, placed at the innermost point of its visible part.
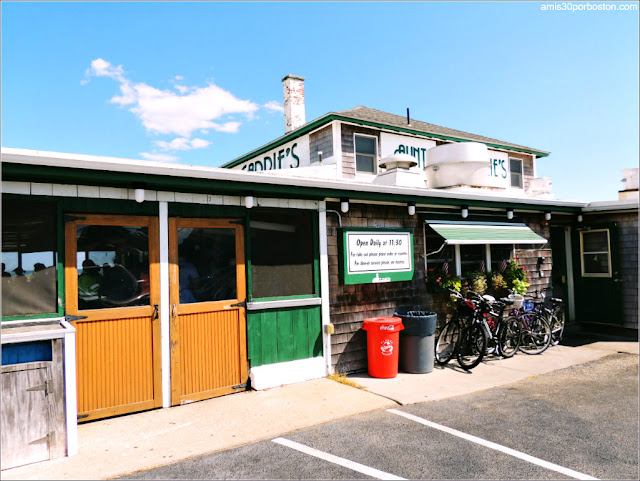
(181, 283)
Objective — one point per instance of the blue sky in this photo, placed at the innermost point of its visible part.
(200, 82)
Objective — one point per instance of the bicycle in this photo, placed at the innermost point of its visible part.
(503, 333)
(447, 341)
(536, 333)
(463, 336)
(555, 316)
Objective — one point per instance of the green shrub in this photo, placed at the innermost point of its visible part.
(477, 281)
(497, 281)
(516, 277)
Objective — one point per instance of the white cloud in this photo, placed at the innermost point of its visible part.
(159, 157)
(273, 105)
(176, 113)
(231, 127)
(182, 143)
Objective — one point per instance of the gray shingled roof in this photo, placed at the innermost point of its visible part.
(371, 115)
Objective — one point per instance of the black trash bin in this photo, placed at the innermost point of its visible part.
(417, 339)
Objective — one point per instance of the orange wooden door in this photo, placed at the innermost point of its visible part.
(112, 282)
(208, 322)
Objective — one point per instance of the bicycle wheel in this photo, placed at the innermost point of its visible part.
(509, 336)
(536, 333)
(472, 345)
(446, 344)
(557, 326)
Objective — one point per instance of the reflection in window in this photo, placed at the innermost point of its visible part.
(282, 255)
(29, 273)
(596, 256)
(113, 266)
(440, 259)
(366, 154)
(500, 255)
(472, 258)
(515, 166)
(206, 264)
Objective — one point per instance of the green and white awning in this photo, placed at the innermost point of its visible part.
(489, 233)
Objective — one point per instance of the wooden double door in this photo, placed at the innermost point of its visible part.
(208, 320)
(112, 279)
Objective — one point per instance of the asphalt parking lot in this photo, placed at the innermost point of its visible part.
(575, 423)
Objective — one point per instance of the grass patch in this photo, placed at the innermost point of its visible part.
(342, 379)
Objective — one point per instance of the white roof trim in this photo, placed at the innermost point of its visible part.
(136, 166)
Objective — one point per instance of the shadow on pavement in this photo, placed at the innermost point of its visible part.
(576, 334)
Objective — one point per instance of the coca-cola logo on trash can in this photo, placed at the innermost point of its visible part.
(387, 328)
(386, 347)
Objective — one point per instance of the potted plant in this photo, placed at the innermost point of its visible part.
(515, 276)
(497, 285)
(477, 281)
(438, 281)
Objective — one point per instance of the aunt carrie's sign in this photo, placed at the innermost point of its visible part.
(377, 255)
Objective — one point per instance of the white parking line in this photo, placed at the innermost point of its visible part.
(360, 468)
(497, 447)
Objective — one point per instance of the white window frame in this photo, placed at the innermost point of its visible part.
(607, 252)
(457, 261)
(375, 156)
(521, 173)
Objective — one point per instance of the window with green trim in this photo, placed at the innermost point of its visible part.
(281, 255)
(29, 258)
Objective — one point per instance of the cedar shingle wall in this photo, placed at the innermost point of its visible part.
(351, 304)
(527, 169)
(348, 147)
(527, 256)
(321, 141)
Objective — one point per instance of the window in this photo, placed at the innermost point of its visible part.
(515, 166)
(440, 259)
(500, 255)
(366, 154)
(282, 255)
(473, 258)
(206, 264)
(29, 258)
(469, 257)
(595, 253)
(113, 266)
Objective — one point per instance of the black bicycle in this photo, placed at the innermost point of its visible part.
(463, 336)
(502, 332)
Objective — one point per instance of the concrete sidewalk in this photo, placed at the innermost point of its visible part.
(118, 446)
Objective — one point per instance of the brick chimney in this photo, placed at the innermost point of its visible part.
(294, 117)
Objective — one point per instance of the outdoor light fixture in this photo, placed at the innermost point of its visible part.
(509, 214)
(547, 215)
(579, 217)
(344, 205)
(249, 201)
(411, 208)
(139, 195)
(464, 211)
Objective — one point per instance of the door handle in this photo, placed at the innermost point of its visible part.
(155, 312)
(173, 310)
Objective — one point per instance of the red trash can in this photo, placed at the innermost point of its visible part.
(383, 339)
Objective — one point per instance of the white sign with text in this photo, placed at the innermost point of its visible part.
(372, 252)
